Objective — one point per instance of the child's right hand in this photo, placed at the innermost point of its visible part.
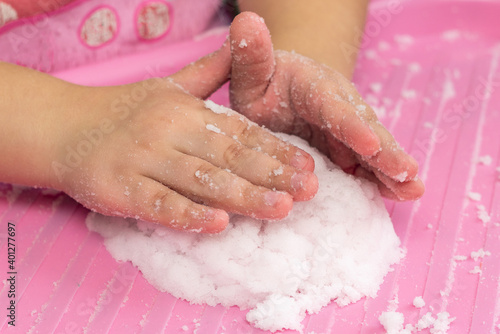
(287, 92)
(152, 151)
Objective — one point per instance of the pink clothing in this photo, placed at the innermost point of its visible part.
(68, 33)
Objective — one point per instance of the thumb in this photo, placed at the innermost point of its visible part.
(252, 58)
(206, 75)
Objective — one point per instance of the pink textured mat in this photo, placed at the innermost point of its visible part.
(431, 69)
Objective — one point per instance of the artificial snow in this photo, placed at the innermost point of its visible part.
(474, 196)
(243, 44)
(481, 253)
(213, 128)
(392, 321)
(485, 160)
(482, 214)
(338, 246)
(418, 302)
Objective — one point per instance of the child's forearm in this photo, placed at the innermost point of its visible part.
(30, 124)
(327, 31)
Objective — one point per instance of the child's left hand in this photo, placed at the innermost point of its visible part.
(290, 93)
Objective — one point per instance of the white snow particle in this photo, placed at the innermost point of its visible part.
(376, 87)
(408, 94)
(213, 128)
(485, 160)
(278, 171)
(481, 253)
(243, 44)
(392, 321)
(401, 177)
(418, 302)
(476, 270)
(474, 196)
(482, 214)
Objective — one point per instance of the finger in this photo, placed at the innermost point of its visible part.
(207, 74)
(154, 202)
(359, 171)
(252, 58)
(341, 155)
(239, 128)
(256, 167)
(405, 191)
(392, 160)
(333, 112)
(203, 182)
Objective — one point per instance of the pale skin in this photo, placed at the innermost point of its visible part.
(157, 157)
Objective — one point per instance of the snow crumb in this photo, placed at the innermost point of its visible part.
(396, 62)
(428, 125)
(474, 196)
(376, 87)
(361, 107)
(408, 94)
(213, 128)
(482, 214)
(392, 321)
(383, 46)
(414, 67)
(481, 253)
(280, 272)
(404, 40)
(476, 270)
(370, 54)
(185, 328)
(401, 177)
(418, 302)
(426, 321)
(278, 171)
(485, 160)
(442, 323)
(218, 109)
(380, 111)
(450, 35)
(430, 226)
(243, 44)
(460, 257)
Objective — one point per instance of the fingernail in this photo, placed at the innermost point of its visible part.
(210, 214)
(298, 180)
(217, 220)
(299, 161)
(271, 198)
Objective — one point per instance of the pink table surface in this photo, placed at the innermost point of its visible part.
(437, 66)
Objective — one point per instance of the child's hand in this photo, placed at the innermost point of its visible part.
(164, 157)
(290, 93)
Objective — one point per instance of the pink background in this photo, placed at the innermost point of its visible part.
(68, 282)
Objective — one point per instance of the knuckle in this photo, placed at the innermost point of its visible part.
(207, 174)
(161, 199)
(234, 155)
(245, 130)
(188, 211)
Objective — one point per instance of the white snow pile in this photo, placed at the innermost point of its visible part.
(338, 246)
